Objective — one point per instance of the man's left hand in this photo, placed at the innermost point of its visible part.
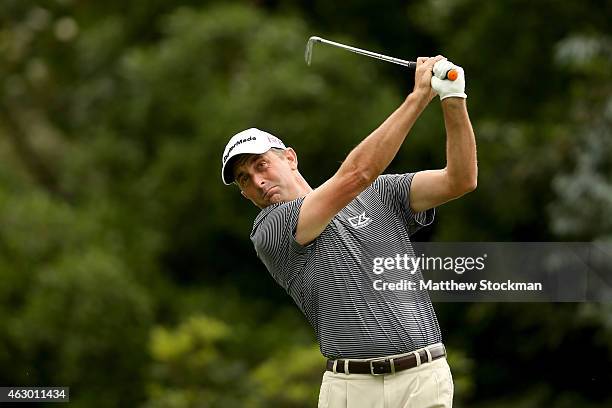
(445, 87)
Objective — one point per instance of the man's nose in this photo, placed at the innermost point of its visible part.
(258, 180)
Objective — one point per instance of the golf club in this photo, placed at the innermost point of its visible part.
(451, 74)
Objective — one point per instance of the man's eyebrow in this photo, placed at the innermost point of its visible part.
(242, 163)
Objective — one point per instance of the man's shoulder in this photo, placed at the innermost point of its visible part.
(277, 212)
(385, 180)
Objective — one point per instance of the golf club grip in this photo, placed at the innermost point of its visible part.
(451, 75)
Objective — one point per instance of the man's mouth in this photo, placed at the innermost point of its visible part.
(268, 192)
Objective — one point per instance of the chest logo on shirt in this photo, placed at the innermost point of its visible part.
(360, 221)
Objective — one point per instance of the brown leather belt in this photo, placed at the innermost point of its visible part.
(386, 365)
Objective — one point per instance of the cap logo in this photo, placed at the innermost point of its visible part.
(274, 139)
(232, 147)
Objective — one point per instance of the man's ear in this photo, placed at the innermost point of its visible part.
(291, 157)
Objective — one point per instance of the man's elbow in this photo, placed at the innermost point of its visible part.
(356, 179)
(360, 180)
(470, 186)
(465, 186)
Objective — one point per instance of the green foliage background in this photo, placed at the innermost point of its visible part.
(126, 271)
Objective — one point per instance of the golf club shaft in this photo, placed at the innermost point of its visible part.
(450, 74)
(409, 64)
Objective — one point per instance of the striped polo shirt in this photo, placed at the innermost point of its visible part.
(332, 278)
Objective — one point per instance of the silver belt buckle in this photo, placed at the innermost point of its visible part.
(383, 360)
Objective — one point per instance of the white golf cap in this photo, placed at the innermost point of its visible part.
(253, 141)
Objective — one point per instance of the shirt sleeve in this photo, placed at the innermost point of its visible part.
(273, 236)
(394, 191)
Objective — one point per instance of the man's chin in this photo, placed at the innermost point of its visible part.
(275, 199)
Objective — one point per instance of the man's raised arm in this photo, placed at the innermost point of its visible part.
(431, 188)
(366, 161)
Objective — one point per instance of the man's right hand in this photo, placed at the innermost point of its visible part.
(422, 78)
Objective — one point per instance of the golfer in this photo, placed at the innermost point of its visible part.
(319, 244)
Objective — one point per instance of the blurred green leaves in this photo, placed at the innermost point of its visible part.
(192, 368)
(289, 379)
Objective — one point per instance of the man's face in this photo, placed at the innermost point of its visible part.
(267, 178)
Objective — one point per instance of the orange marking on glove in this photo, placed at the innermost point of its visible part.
(452, 74)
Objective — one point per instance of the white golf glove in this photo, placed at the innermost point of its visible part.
(445, 87)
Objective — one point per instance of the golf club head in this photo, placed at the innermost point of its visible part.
(309, 45)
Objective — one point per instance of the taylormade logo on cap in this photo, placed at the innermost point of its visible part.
(250, 141)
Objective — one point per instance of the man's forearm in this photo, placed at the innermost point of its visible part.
(372, 156)
(461, 162)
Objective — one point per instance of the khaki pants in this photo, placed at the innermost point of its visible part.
(426, 386)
